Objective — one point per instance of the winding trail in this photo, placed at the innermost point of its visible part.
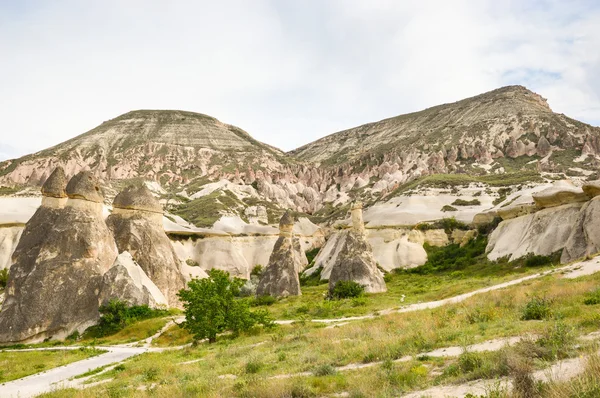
(63, 376)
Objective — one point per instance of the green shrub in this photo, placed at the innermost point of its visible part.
(313, 279)
(346, 289)
(325, 370)
(533, 260)
(537, 308)
(558, 341)
(264, 300)
(462, 202)
(452, 257)
(257, 270)
(486, 229)
(448, 208)
(3, 278)
(312, 254)
(253, 366)
(211, 306)
(117, 314)
(447, 224)
(592, 298)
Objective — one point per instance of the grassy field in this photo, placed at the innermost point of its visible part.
(271, 363)
(14, 365)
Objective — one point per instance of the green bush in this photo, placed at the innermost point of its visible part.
(452, 257)
(537, 308)
(592, 298)
(346, 289)
(264, 300)
(447, 224)
(117, 314)
(3, 278)
(449, 208)
(312, 254)
(212, 306)
(462, 202)
(313, 279)
(533, 260)
(257, 270)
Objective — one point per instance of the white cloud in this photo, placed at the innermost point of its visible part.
(287, 72)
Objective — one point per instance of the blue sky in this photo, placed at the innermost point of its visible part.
(288, 72)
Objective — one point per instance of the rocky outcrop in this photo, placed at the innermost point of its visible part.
(355, 261)
(562, 192)
(541, 233)
(591, 188)
(9, 240)
(127, 281)
(59, 264)
(280, 278)
(584, 239)
(136, 222)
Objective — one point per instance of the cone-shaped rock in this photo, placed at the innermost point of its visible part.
(127, 281)
(280, 278)
(136, 222)
(54, 283)
(355, 261)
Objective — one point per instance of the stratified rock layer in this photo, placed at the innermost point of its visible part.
(54, 283)
(140, 232)
(280, 278)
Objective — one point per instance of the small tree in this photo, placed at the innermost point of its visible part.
(212, 306)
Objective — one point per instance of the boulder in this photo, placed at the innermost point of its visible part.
(562, 192)
(516, 210)
(591, 188)
(280, 278)
(584, 239)
(355, 260)
(540, 233)
(136, 222)
(127, 281)
(59, 264)
(484, 218)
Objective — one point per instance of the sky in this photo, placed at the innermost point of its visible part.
(286, 71)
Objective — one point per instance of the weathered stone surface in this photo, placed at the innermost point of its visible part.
(55, 184)
(141, 233)
(591, 188)
(280, 278)
(516, 210)
(461, 237)
(53, 286)
(561, 193)
(137, 198)
(543, 147)
(541, 233)
(84, 186)
(355, 262)
(127, 281)
(585, 235)
(9, 240)
(484, 218)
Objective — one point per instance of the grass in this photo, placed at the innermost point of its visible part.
(206, 210)
(255, 357)
(134, 332)
(15, 365)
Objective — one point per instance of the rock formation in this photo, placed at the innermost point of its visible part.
(59, 264)
(355, 261)
(136, 222)
(280, 278)
(585, 235)
(127, 281)
(562, 192)
(542, 233)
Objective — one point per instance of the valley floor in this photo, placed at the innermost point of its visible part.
(434, 347)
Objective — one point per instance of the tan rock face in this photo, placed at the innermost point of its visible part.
(84, 186)
(355, 262)
(128, 282)
(591, 188)
(584, 239)
(137, 198)
(280, 278)
(139, 233)
(59, 263)
(561, 193)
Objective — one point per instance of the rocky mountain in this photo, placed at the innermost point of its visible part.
(204, 169)
(501, 131)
